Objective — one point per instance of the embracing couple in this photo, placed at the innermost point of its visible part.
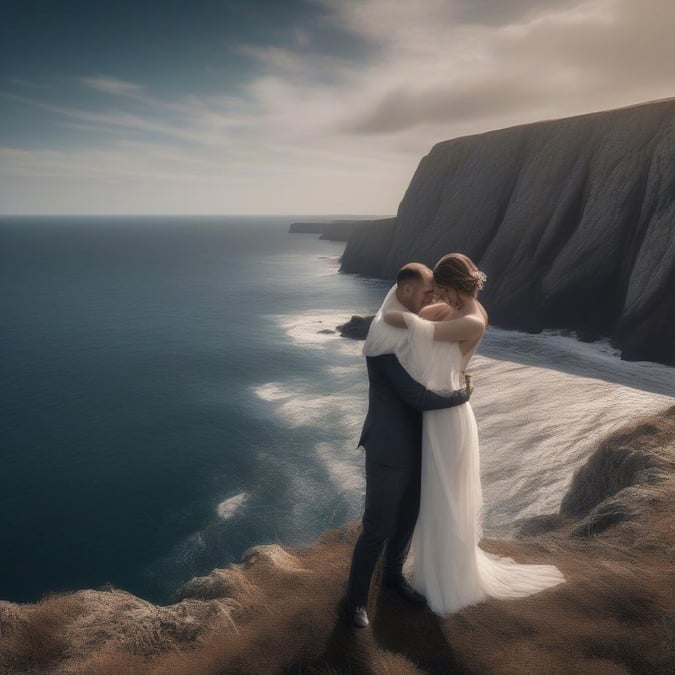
(423, 490)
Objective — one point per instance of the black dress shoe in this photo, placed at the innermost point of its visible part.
(358, 616)
(405, 590)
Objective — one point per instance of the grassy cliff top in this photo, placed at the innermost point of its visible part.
(281, 610)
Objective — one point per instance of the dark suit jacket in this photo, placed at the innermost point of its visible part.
(392, 432)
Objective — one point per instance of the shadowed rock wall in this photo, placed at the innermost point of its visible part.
(572, 221)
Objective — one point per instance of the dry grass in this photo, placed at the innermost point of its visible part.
(32, 637)
(280, 613)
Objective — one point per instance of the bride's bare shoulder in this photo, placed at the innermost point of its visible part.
(439, 311)
(483, 313)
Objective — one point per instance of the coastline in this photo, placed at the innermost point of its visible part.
(542, 402)
(568, 242)
(137, 634)
(279, 609)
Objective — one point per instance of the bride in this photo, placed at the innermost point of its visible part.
(449, 567)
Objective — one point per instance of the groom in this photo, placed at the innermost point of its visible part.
(392, 438)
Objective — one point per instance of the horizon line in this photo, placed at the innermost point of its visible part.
(195, 215)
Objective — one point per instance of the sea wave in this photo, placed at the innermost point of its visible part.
(317, 330)
(542, 403)
(231, 506)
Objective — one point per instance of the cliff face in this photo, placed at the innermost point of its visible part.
(572, 220)
(280, 610)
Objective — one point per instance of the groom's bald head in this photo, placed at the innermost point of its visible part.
(414, 286)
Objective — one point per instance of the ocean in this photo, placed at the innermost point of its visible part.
(172, 393)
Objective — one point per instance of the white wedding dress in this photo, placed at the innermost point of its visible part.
(449, 567)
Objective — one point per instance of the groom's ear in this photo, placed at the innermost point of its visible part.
(407, 286)
(407, 291)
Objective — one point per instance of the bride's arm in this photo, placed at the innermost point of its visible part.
(453, 330)
(395, 319)
(456, 330)
(435, 312)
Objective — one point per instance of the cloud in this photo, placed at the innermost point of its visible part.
(436, 72)
(491, 13)
(192, 121)
(406, 108)
(30, 85)
(315, 131)
(111, 85)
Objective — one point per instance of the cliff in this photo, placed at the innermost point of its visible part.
(572, 220)
(307, 228)
(280, 610)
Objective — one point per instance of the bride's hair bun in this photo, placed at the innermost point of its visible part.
(481, 278)
(458, 271)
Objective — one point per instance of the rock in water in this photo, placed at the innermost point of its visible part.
(356, 328)
(572, 220)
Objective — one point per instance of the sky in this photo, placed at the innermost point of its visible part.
(292, 107)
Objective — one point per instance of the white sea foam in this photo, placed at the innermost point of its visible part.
(565, 353)
(343, 370)
(186, 550)
(345, 473)
(316, 330)
(232, 505)
(542, 403)
(537, 425)
(297, 407)
(305, 329)
(272, 391)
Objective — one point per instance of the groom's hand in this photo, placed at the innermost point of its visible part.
(468, 384)
(386, 371)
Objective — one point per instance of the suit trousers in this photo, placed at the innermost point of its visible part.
(392, 505)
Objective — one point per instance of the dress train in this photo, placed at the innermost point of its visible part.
(449, 567)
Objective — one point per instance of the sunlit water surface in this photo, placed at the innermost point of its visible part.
(171, 396)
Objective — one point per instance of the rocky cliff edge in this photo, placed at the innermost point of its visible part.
(572, 220)
(280, 609)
